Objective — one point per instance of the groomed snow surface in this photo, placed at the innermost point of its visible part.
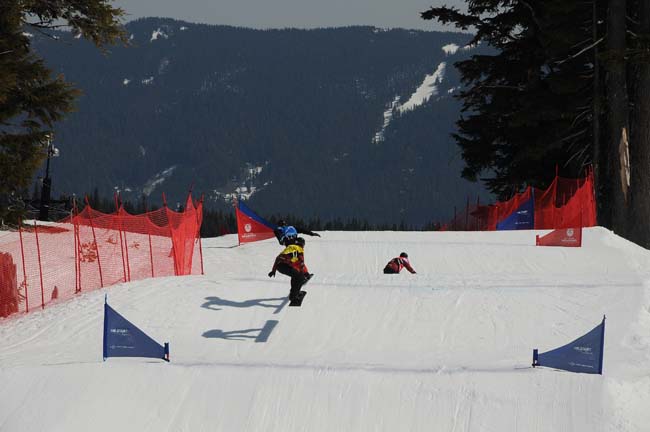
(446, 349)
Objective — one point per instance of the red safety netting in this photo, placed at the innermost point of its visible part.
(566, 203)
(90, 250)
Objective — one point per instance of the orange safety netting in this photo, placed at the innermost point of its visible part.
(91, 250)
(566, 203)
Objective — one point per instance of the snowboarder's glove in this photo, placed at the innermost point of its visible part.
(272, 273)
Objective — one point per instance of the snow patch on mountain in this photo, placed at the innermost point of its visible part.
(147, 81)
(427, 89)
(158, 33)
(450, 49)
(244, 187)
(126, 81)
(422, 94)
(157, 180)
(388, 116)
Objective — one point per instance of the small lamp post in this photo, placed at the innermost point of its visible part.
(47, 181)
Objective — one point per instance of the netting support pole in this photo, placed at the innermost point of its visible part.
(79, 251)
(171, 234)
(122, 250)
(146, 214)
(99, 262)
(119, 228)
(22, 253)
(151, 255)
(75, 233)
(126, 252)
(40, 267)
(198, 233)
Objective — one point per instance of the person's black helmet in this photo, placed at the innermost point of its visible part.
(282, 222)
(403, 255)
(300, 241)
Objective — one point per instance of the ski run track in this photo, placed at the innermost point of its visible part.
(446, 349)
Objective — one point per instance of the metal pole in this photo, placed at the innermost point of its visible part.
(198, 232)
(146, 215)
(119, 228)
(151, 254)
(126, 252)
(99, 262)
(22, 252)
(79, 250)
(75, 233)
(47, 183)
(171, 236)
(40, 267)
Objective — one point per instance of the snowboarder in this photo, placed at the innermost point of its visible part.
(291, 262)
(287, 234)
(395, 265)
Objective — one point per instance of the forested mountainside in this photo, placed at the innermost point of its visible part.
(337, 122)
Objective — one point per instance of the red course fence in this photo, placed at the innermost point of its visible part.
(92, 250)
(567, 203)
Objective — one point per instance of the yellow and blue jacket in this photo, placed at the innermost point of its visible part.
(292, 255)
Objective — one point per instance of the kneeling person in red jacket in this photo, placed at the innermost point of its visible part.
(291, 262)
(395, 265)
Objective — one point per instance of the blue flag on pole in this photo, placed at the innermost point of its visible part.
(521, 219)
(584, 354)
(123, 339)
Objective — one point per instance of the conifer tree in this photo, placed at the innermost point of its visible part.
(640, 132)
(526, 103)
(618, 168)
(31, 100)
(546, 64)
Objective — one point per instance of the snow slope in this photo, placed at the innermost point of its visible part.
(447, 349)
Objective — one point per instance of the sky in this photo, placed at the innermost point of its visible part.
(291, 13)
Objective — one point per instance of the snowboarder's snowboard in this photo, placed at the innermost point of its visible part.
(298, 302)
(307, 278)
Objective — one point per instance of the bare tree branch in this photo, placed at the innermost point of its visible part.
(579, 53)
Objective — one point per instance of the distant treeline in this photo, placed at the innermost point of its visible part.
(217, 222)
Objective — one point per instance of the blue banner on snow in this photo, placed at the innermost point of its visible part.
(521, 219)
(584, 354)
(123, 339)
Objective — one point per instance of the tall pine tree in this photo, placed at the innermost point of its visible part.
(546, 64)
(31, 100)
(640, 132)
(526, 103)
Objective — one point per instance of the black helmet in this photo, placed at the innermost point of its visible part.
(282, 222)
(403, 255)
(300, 241)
